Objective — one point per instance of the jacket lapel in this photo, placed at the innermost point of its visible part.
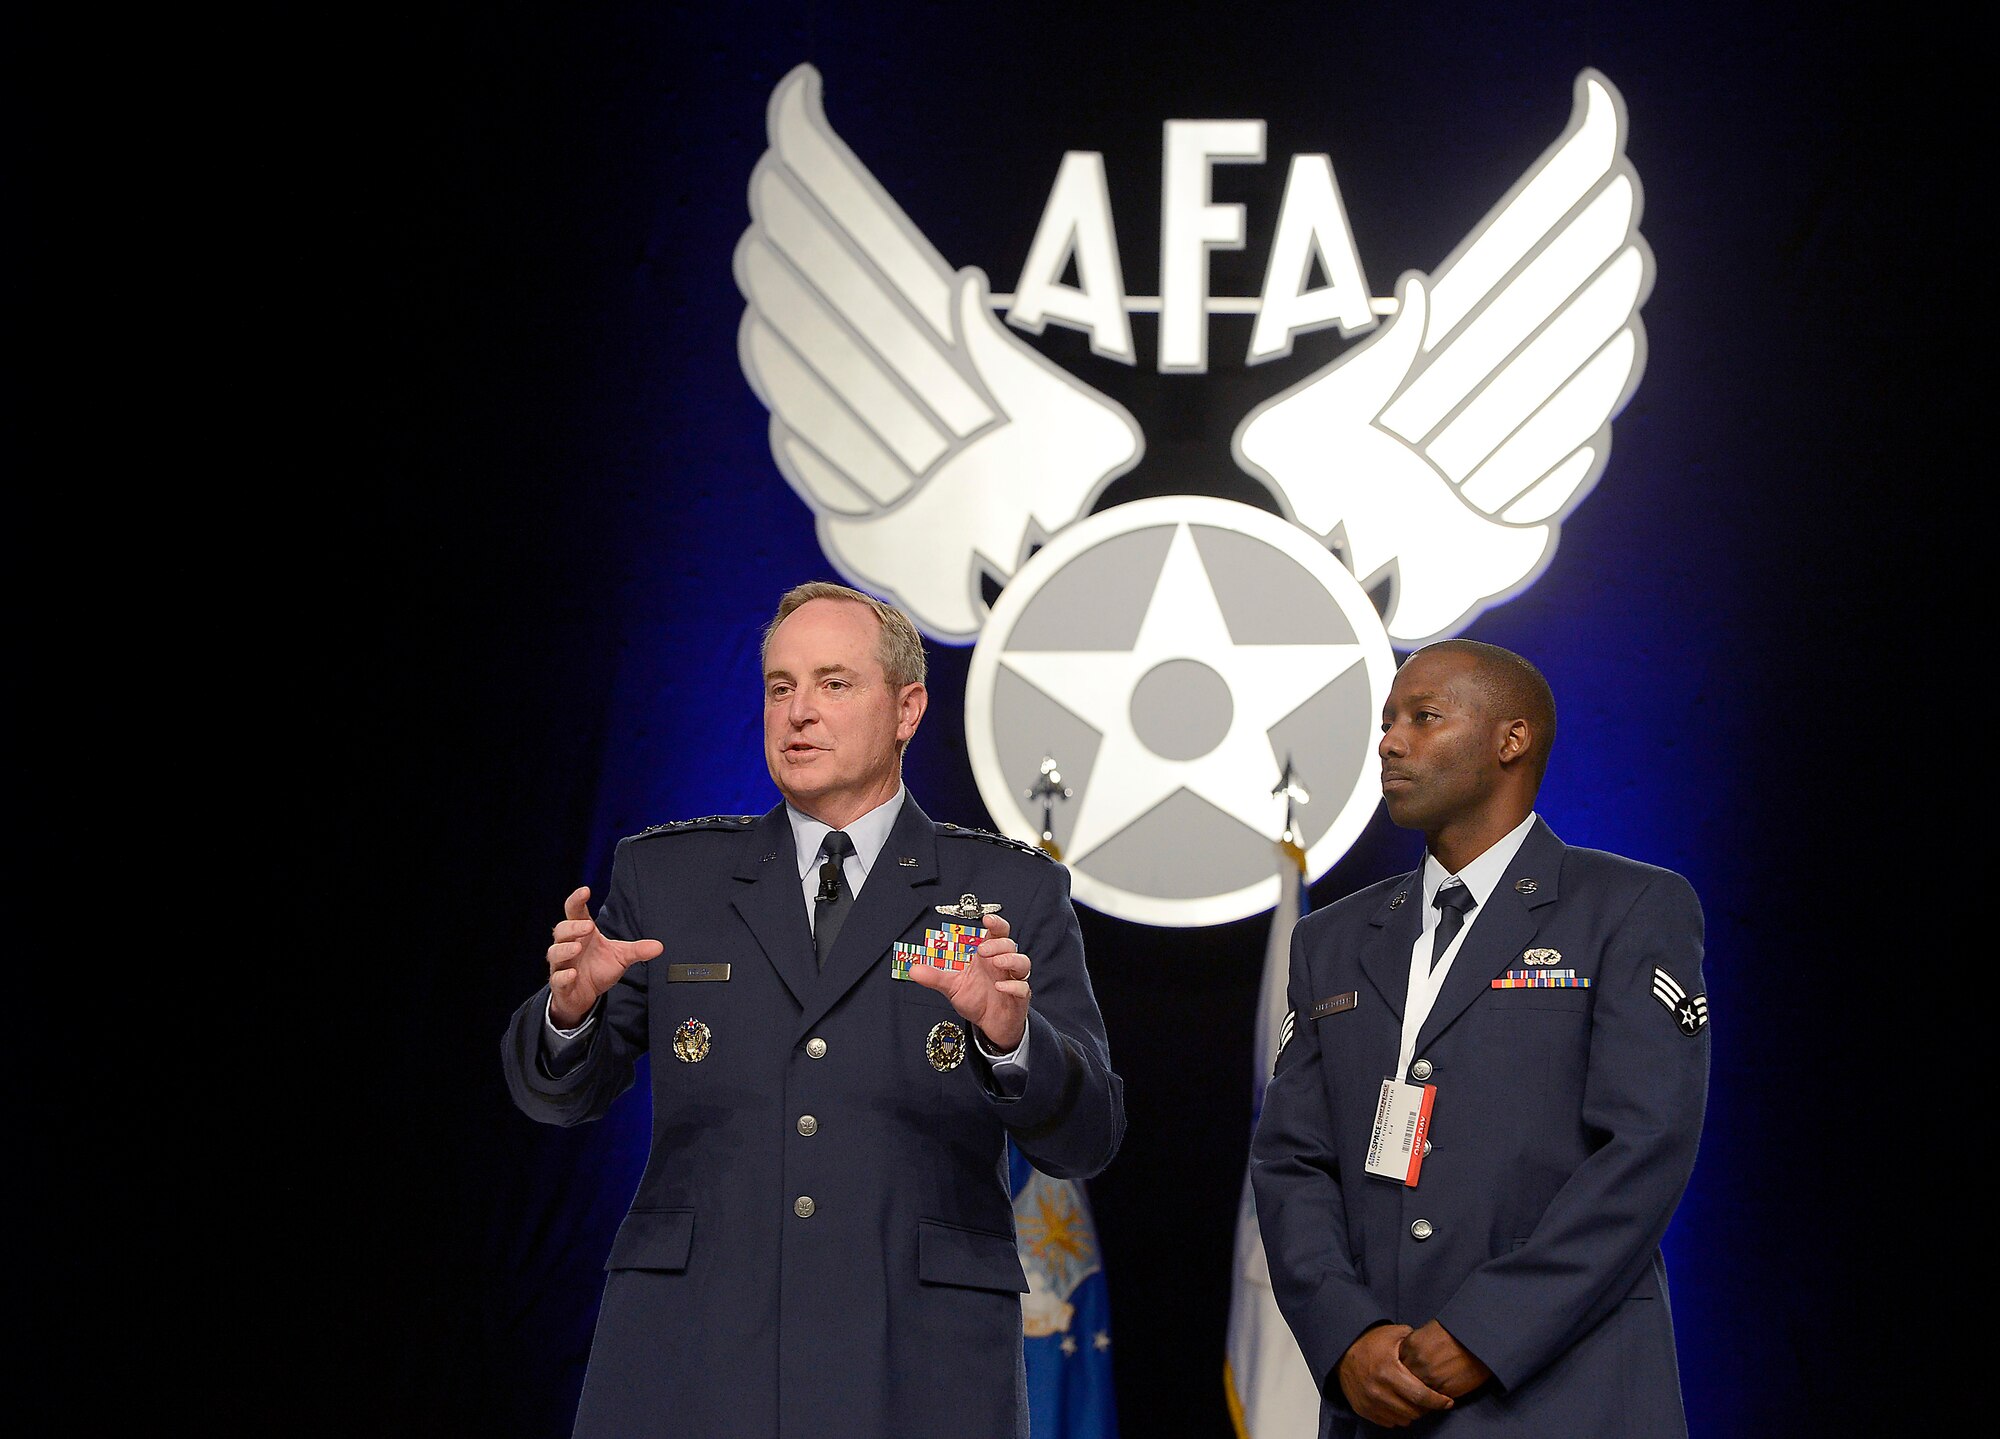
(1501, 929)
(895, 894)
(772, 903)
(1397, 922)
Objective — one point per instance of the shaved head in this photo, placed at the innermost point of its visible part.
(1510, 687)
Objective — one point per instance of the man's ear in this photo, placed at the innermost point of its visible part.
(1516, 739)
(910, 707)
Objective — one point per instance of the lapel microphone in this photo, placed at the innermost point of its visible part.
(829, 881)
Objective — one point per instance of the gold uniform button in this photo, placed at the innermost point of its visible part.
(808, 1126)
(803, 1206)
(1421, 1230)
(815, 1048)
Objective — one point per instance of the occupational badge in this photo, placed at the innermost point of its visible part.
(1542, 956)
(968, 910)
(1689, 1012)
(691, 1041)
(944, 1047)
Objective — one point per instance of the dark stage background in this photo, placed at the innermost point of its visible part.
(557, 530)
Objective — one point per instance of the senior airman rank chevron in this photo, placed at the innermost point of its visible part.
(947, 948)
(1542, 979)
(1689, 1014)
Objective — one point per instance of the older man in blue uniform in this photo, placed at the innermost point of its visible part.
(849, 1010)
(1489, 1104)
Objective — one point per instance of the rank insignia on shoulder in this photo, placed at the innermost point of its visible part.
(964, 831)
(947, 948)
(707, 821)
(944, 1046)
(1689, 1012)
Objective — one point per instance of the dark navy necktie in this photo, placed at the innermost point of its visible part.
(1453, 903)
(834, 899)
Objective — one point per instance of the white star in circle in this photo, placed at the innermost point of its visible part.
(1183, 621)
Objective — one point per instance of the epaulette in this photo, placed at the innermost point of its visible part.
(707, 821)
(1005, 841)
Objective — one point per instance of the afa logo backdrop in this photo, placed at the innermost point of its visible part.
(601, 435)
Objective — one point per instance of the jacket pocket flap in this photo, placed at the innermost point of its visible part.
(653, 1239)
(970, 1258)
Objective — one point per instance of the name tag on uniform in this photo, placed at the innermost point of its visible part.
(1339, 1004)
(1402, 1122)
(696, 973)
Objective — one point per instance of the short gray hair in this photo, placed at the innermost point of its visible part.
(900, 648)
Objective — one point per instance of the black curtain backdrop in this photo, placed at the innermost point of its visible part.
(478, 273)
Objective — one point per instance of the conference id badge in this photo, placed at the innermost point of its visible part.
(1402, 1122)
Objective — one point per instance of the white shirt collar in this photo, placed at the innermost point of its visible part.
(1481, 876)
(869, 833)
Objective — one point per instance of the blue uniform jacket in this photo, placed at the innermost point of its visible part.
(890, 1303)
(1563, 1135)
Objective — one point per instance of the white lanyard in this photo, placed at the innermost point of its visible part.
(1426, 980)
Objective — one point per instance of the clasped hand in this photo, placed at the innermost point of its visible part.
(1393, 1375)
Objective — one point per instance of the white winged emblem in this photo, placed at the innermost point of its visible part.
(1439, 455)
(931, 443)
(1441, 452)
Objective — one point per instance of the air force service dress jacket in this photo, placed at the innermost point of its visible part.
(822, 1243)
(1563, 1134)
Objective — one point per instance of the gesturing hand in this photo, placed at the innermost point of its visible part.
(1377, 1385)
(1442, 1362)
(992, 991)
(584, 961)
